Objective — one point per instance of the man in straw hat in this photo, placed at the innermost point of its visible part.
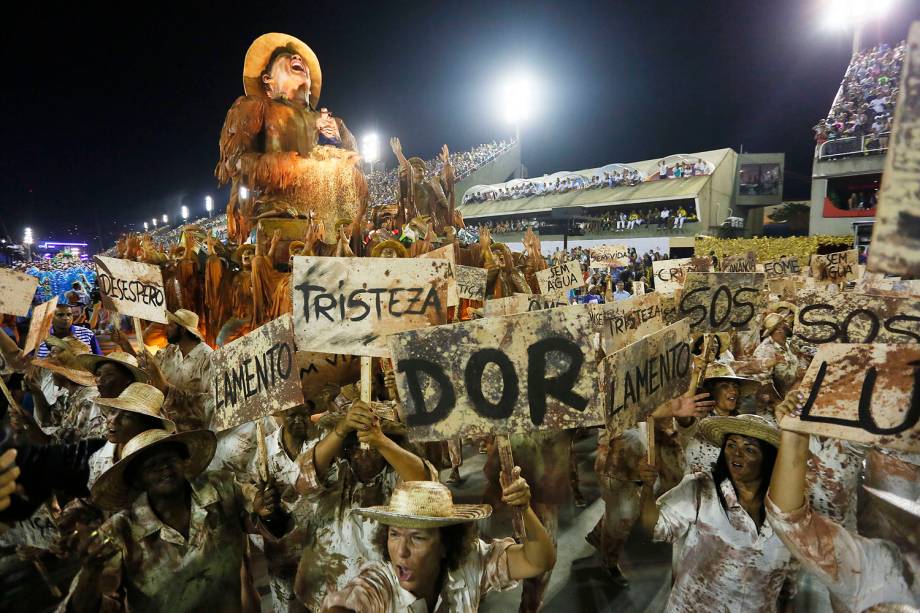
(775, 357)
(859, 572)
(178, 543)
(270, 133)
(73, 415)
(432, 558)
(726, 557)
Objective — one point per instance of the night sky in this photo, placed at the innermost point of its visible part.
(111, 118)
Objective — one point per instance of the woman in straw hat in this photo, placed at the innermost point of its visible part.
(859, 572)
(177, 545)
(775, 356)
(73, 415)
(726, 558)
(432, 559)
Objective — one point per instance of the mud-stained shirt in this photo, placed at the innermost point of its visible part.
(721, 561)
(858, 571)
(189, 401)
(376, 588)
(74, 416)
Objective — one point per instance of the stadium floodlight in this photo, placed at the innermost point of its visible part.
(154, 222)
(244, 192)
(517, 97)
(370, 148)
(852, 14)
(165, 218)
(145, 226)
(208, 204)
(27, 237)
(184, 211)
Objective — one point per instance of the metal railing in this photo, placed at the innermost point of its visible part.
(870, 144)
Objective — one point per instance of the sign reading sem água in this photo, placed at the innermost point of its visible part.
(499, 375)
(255, 376)
(557, 279)
(350, 305)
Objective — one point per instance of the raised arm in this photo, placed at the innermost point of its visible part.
(536, 554)
(787, 487)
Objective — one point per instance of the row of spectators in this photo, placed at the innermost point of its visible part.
(865, 103)
(603, 284)
(664, 217)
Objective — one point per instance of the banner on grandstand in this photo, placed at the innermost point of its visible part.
(471, 282)
(609, 256)
(896, 233)
(562, 278)
(641, 376)
(17, 290)
(847, 317)
(743, 262)
(784, 267)
(501, 375)
(39, 325)
(669, 274)
(350, 305)
(131, 288)
(863, 392)
(837, 267)
(722, 301)
(625, 321)
(255, 376)
(523, 303)
(447, 253)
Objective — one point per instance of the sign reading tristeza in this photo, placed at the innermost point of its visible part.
(16, 292)
(499, 375)
(564, 277)
(625, 321)
(256, 375)
(131, 288)
(863, 392)
(350, 305)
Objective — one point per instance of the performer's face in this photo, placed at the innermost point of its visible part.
(297, 419)
(744, 457)
(161, 473)
(173, 333)
(416, 557)
(122, 426)
(726, 397)
(289, 77)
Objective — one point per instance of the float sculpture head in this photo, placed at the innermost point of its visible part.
(282, 66)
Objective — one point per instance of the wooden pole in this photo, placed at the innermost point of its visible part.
(708, 347)
(264, 472)
(366, 373)
(507, 462)
(650, 437)
(139, 332)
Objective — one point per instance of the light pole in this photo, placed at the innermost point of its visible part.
(27, 241)
(517, 97)
(208, 205)
(370, 149)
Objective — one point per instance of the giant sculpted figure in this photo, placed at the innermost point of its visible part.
(282, 156)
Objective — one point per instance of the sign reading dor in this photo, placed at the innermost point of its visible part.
(502, 375)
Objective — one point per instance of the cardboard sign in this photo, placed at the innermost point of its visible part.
(877, 285)
(131, 288)
(255, 376)
(837, 267)
(471, 282)
(896, 233)
(609, 256)
(784, 287)
(722, 301)
(783, 267)
(643, 375)
(501, 375)
(626, 321)
(557, 279)
(863, 392)
(524, 303)
(350, 305)
(847, 317)
(16, 292)
(745, 262)
(670, 274)
(638, 288)
(447, 253)
(39, 325)
(319, 369)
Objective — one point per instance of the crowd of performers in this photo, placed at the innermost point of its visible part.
(116, 494)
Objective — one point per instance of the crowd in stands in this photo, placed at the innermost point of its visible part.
(660, 217)
(864, 106)
(603, 283)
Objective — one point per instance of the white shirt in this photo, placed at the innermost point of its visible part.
(190, 372)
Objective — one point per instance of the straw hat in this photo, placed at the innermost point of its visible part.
(715, 429)
(92, 362)
(771, 322)
(395, 245)
(139, 398)
(260, 52)
(720, 371)
(423, 505)
(905, 504)
(782, 305)
(63, 361)
(112, 493)
(187, 319)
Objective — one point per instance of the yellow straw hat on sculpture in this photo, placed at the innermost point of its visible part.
(422, 505)
(260, 52)
(715, 429)
(111, 492)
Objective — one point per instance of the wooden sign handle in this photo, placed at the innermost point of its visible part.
(139, 332)
(650, 436)
(507, 462)
(366, 373)
(264, 472)
(708, 348)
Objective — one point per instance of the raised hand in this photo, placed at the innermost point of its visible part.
(515, 490)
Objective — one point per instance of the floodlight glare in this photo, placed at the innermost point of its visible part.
(517, 97)
(370, 148)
